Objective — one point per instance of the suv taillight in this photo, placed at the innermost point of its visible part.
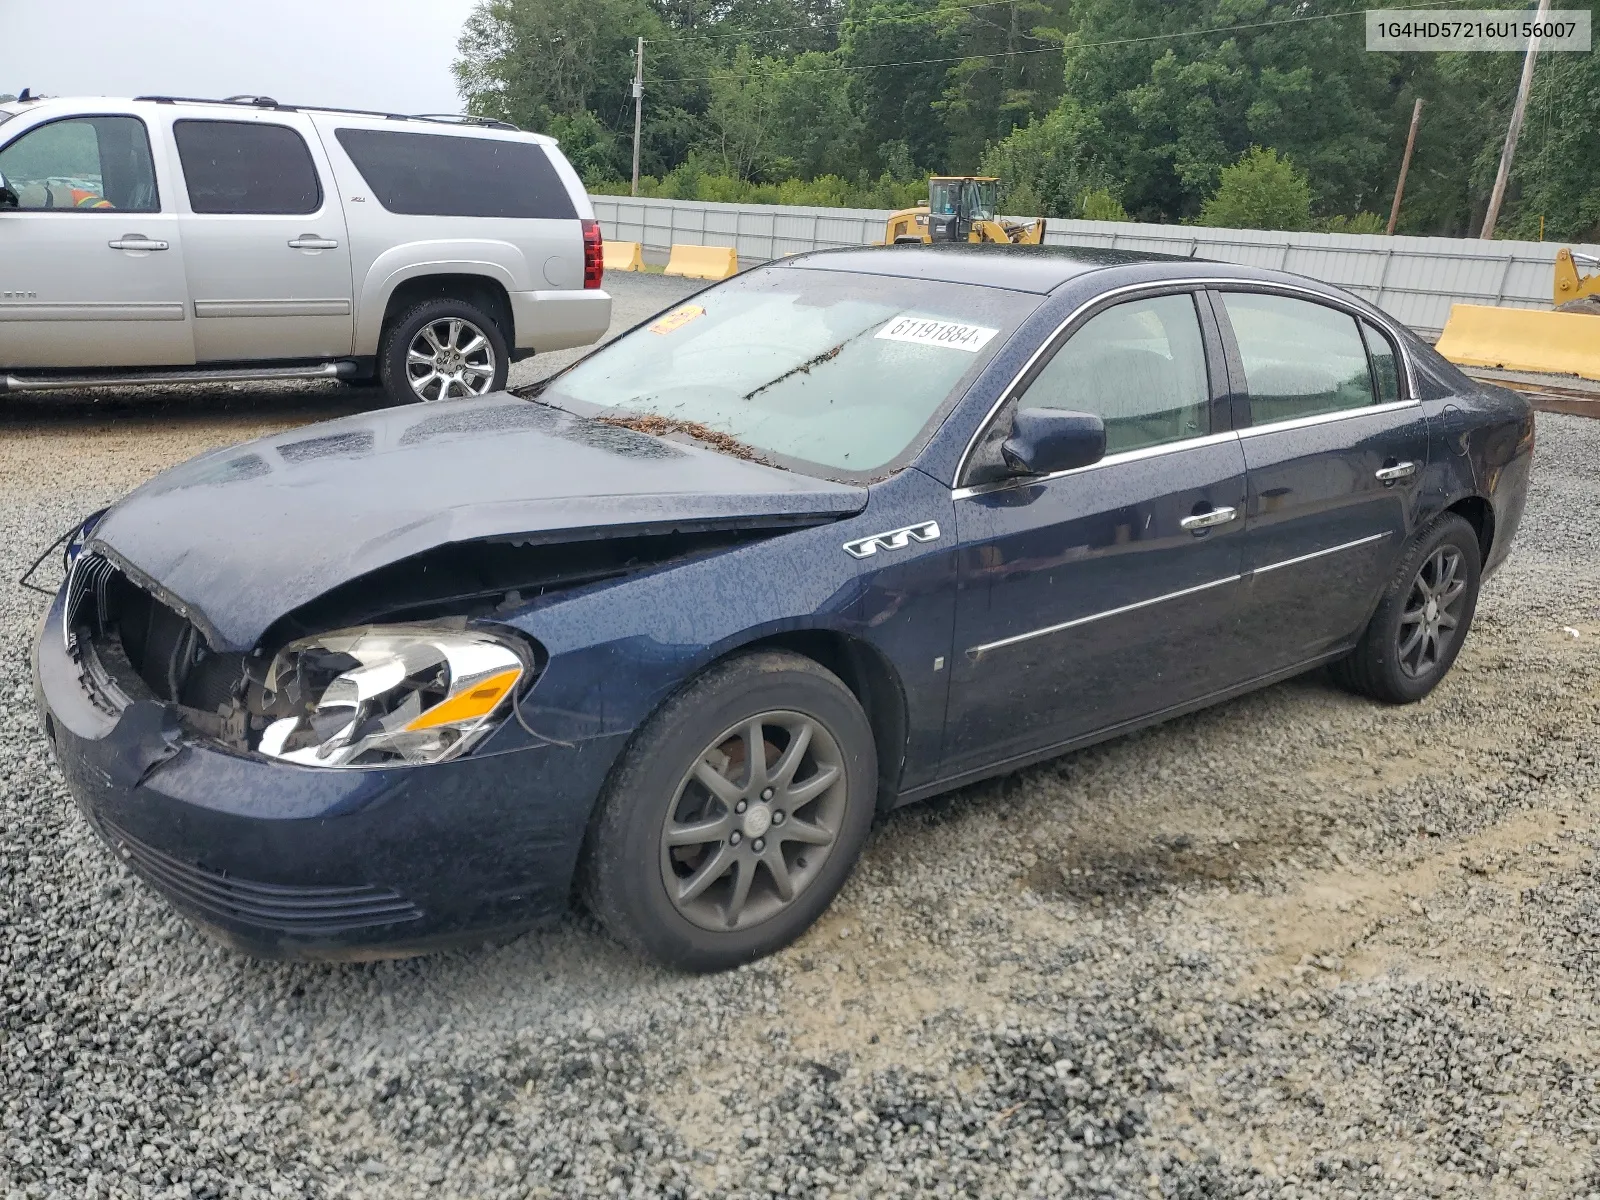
(594, 259)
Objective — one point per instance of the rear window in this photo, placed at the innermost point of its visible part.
(246, 167)
(438, 175)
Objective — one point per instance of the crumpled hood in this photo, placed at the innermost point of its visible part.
(237, 538)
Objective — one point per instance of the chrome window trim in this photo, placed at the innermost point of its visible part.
(1376, 318)
(1110, 460)
(977, 652)
(1338, 414)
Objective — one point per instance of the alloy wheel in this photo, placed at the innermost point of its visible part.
(1432, 614)
(449, 358)
(753, 821)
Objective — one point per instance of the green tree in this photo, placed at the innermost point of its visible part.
(1011, 73)
(1099, 204)
(1045, 167)
(895, 103)
(1260, 191)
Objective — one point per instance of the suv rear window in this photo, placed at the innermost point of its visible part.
(246, 167)
(438, 175)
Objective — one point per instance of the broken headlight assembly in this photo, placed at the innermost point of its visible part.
(394, 695)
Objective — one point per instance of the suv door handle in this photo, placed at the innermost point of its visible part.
(313, 243)
(136, 243)
(1396, 471)
(1201, 522)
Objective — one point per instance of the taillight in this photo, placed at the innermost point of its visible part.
(594, 259)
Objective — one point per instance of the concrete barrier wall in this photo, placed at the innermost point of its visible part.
(1415, 279)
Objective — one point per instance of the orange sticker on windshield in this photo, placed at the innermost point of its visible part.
(677, 318)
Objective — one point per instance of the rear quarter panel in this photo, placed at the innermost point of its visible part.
(386, 248)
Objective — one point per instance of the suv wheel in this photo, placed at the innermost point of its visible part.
(442, 350)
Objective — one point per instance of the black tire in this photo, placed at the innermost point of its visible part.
(1386, 664)
(478, 376)
(627, 859)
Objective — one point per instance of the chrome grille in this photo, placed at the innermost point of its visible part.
(89, 577)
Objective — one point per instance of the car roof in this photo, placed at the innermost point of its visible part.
(1037, 269)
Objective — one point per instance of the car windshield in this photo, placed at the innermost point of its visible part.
(824, 372)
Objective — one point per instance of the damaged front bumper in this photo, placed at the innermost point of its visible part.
(287, 861)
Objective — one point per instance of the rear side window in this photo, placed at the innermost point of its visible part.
(1385, 367)
(1140, 366)
(1300, 359)
(437, 175)
(92, 164)
(246, 167)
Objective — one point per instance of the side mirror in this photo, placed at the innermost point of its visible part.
(8, 198)
(1046, 440)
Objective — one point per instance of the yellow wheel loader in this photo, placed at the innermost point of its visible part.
(1563, 342)
(960, 208)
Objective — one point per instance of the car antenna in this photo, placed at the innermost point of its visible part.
(24, 94)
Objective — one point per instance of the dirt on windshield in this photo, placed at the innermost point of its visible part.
(658, 426)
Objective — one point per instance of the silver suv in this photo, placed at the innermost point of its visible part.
(163, 239)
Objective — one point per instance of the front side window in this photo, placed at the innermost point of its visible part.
(826, 372)
(451, 175)
(91, 164)
(1300, 359)
(1140, 366)
(245, 167)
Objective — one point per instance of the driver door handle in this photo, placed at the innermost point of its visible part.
(136, 243)
(1200, 522)
(313, 243)
(1396, 471)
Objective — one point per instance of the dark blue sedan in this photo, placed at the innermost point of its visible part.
(832, 536)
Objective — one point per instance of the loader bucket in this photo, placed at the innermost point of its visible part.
(1522, 339)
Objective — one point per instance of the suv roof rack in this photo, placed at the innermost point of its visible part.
(267, 102)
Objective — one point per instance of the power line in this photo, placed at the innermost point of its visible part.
(1128, 41)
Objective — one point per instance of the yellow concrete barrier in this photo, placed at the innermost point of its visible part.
(624, 256)
(1522, 339)
(703, 262)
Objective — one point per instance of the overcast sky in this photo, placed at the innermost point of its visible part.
(392, 55)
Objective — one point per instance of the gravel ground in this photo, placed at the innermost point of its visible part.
(1295, 946)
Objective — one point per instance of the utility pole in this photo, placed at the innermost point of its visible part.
(638, 109)
(1405, 165)
(1518, 111)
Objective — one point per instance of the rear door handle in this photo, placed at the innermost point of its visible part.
(136, 243)
(1207, 520)
(313, 243)
(1396, 471)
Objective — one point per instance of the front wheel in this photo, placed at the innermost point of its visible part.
(735, 815)
(442, 349)
(1422, 619)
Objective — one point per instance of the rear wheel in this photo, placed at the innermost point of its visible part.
(1422, 619)
(735, 816)
(442, 349)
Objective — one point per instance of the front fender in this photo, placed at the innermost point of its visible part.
(617, 650)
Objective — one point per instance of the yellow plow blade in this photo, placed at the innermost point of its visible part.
(1522, 339)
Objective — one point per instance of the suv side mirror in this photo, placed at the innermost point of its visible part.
(1046, 440)
(8, 198)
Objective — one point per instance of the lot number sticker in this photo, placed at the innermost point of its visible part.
(677, 318)
(931, 331)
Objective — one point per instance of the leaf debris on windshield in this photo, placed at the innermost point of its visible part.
(815, 360)
(657, 426)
